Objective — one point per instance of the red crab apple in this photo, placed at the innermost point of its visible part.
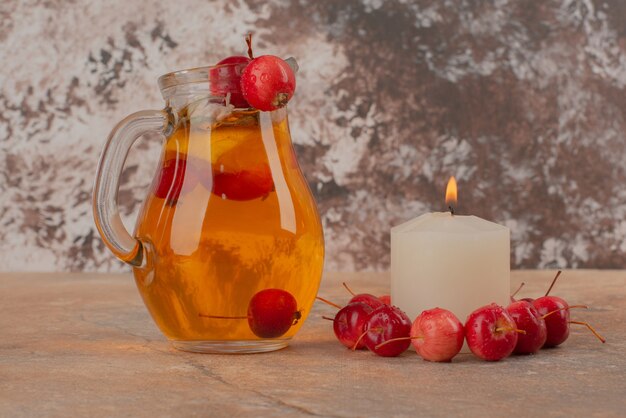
(556, 313)
(174, 176)
(251, 183)
(268, 83)
(231, 182)
(491, 333)
(271, 312)
(349, 324)
(437, 335)
(529, 320)
(225, 78)
(387, 323)
(557, 323)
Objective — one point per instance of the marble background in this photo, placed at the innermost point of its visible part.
(524, 101)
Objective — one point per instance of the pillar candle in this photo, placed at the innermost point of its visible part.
(459, 263)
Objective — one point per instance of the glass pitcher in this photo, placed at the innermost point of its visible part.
(229, 214)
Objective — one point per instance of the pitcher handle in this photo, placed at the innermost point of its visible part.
(105, 210)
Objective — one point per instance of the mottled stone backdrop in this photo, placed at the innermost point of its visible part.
(524, 101)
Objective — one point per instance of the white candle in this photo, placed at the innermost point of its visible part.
(459, 263)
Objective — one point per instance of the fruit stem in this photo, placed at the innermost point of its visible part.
(518, 289)
(396, 339)
(328, 302)
(558, 273)
(561, 309)
(297, 315)
(249, 43)
(328, 318)
(221, 317)
(519, 331)
(356, 344)
(348, 289)
(590, 329)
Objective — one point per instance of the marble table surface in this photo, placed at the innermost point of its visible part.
(84, 345)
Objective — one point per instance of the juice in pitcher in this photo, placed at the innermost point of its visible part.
(229, 215)
(228, 236)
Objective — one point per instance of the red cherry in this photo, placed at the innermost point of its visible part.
(174, 174)
(271, 312)
(386, 299)
(491, 333)
(437, 335)
(528, 319)
(268, 82)
(349, 324)
(384, 324)
(225, 77)
(242, 185)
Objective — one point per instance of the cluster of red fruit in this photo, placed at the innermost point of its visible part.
(176, 174)
(265, 83)
(492, 332)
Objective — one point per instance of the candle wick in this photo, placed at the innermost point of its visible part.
(451, 210)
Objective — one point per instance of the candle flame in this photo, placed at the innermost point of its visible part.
(451, 192)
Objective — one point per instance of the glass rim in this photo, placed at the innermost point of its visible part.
(190, 75)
